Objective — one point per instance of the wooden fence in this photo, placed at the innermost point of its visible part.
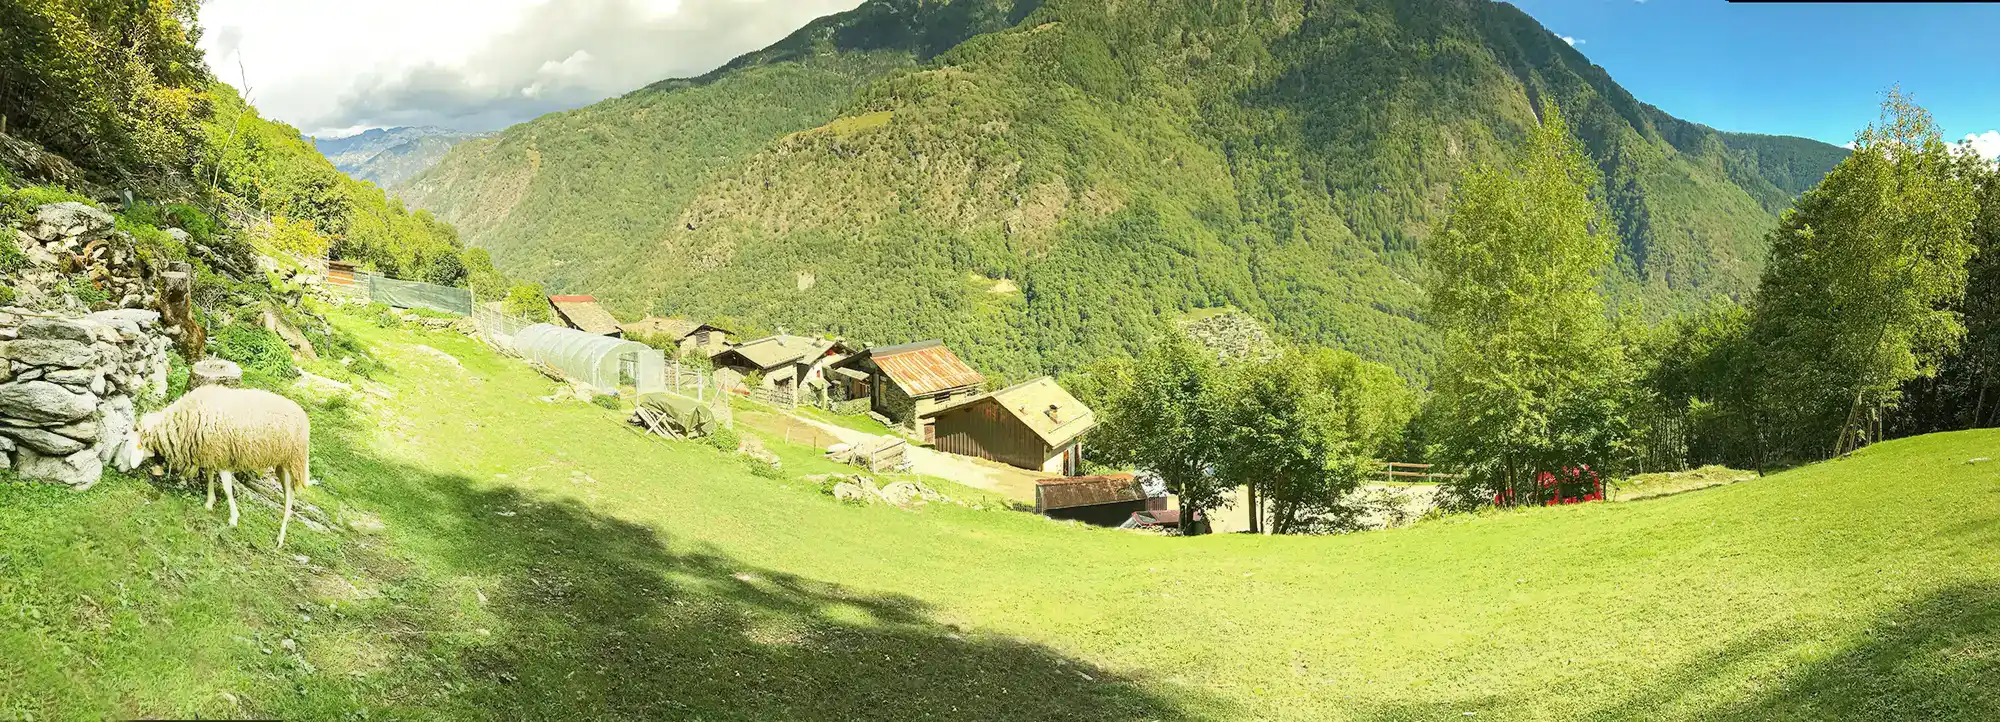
(1405, 473)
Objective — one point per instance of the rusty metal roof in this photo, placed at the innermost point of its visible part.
(1075, 491)
(924, 368)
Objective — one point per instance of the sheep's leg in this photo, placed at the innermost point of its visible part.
(285, 480)
(211, 488)
(229, 490)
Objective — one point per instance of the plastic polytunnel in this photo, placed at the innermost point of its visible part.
(604, 362)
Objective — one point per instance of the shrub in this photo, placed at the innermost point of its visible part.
(263, 355)
(528, 301)
(11, 256)
(724, 439)
(85, 291)
(608, 401)
(764, 471)
(7, 294)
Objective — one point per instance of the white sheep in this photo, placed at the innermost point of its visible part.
(226, 430)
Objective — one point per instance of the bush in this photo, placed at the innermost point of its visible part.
(85, 291)
(724, 439)
(7, 294)
(11, 256)
(265, 357)
(528, 301)
(764, 471)
(608, 401)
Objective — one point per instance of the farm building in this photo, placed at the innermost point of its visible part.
(1033, 425)
(693, 337)
(1108, 500)
(785, 362)
(908, 383)
(584, 314)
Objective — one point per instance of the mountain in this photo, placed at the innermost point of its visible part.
(1044, 183)
(387, 157)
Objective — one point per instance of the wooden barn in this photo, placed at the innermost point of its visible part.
(1107, 500)
(1033, 425)
(584, 314)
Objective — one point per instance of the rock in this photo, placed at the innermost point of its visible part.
(752, 447)
(902, 493)
(69, 219)
(80, 377)
(84, 431)
(116, 420)
(128, 320)
(29, 375)
(848, 493)
(216, 371)
(43, 441)
(57, 329)
(49, 352)
(6, 369)
(78, 471)
(44, 402)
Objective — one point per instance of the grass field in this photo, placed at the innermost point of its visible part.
(539, 561)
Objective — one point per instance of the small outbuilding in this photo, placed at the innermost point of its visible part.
(1107, 500)
(583, 313)
(910, 382)
(784, 361)
(693, 337)
(1034, 425)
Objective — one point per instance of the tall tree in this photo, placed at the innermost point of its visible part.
(1305, 429)
(1982, 303)
(1166, 421)
(1531, 372)
(1860, 291)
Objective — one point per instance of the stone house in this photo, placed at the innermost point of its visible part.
(785, 362)
(1034, 425)
(910, 382)
(584, 314)
(693, 337)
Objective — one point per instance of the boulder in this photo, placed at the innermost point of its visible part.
(49, 352)
(848, 493)
(70, 219)
(903, 494)
(56, 329)
(43, 441)
(84, 431)
(128, 321)
(44, 402)
(78, 471)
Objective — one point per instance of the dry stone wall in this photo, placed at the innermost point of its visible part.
(70, 388)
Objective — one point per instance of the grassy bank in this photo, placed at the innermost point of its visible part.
(497, 557)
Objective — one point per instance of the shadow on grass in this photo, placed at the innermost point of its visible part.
(596, 618)
(1935, 658)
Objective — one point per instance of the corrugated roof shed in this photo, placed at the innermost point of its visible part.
(1045, 408)
(1075, 491)
(583, 314)
(924, 368)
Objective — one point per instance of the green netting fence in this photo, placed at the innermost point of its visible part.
(416, 294)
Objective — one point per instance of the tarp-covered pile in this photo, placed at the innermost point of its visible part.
(680, 414)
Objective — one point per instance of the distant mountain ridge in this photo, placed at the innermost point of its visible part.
(1119, 162)
(389, 156)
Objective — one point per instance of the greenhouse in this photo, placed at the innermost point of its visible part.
(604, 362)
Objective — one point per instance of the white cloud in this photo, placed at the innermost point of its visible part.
(1573, 42)
(330, 67)
(1987, 144)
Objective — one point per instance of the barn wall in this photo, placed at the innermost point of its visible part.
(985, 430)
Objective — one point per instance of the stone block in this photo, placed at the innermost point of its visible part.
(43, 402)
(49, 352)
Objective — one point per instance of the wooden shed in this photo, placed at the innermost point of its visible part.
(1106, 500)
(1033, 425)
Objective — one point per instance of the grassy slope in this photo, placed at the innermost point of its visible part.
(619, 577)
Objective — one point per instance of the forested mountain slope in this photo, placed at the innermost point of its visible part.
(1119, 163)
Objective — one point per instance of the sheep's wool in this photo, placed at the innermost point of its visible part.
(226, 429)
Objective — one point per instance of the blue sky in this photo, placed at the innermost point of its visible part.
(1810, 69)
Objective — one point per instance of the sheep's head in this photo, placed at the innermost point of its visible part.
(138, 447)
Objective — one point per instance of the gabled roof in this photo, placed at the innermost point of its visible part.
(1042, 406)
(1075, 491)
(583, 313)
(773, 351)
(925, 367)
(671, 328)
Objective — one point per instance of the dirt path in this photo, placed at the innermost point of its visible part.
(1015, 484)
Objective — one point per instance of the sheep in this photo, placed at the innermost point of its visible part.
(226, 430)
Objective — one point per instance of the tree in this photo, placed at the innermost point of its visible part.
(528, 301)
(1305, 429)
(1531, 376)
(1860, 291)
(1166, 422)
